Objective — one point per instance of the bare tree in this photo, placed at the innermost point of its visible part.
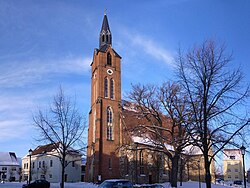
(63, 126)
(165, 110)
(215, 94)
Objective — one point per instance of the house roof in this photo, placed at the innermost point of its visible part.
(45, 148)
(40, 150)
(8, 159)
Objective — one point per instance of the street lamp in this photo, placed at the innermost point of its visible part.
(30, 153)
(199, 173)
(243, 150)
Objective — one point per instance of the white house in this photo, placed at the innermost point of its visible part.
(232, 165)
(45, 164)
(9, 167)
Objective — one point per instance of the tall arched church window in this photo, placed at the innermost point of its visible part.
(109, 124)
(112, 88)
(103, 38)
(109, 59)
(106, 87)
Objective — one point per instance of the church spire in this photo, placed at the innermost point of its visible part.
(105, 33)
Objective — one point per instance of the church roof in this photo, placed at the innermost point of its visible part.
(105, 24)
(104, 49)
(133, 119)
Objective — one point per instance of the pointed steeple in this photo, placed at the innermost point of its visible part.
(105, 33)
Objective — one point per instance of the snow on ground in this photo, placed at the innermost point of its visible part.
(189, 184)
(193, 184)
(52, 185)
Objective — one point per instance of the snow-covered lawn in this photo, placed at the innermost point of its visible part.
(52, 185)
(189, 184)
(192, 184)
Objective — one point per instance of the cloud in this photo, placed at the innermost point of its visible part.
(150, 47)
(13, 129)
(21, 73)
(153, 49)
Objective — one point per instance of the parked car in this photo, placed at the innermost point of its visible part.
(156, 186)
(38, 184)
(238, 182)
(149, 186)
(116, 183)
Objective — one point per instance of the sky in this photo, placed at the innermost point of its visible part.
(50, 43)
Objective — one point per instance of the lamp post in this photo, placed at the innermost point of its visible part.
(30, 153)
(243, 150)
(199, 174)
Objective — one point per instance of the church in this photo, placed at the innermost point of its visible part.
(109, 121)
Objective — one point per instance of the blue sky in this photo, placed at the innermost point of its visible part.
(45, 44)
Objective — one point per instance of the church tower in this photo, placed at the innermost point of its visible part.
(104, 133)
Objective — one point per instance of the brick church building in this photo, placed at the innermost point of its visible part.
(109, 120)
(104, 133)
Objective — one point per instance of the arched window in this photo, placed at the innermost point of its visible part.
(106, 87)
(109, 59)
(109, 115)
(109, 124)
(111, 88)
(103, 38)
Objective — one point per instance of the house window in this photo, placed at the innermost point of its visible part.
(236, 170)
(109, 59)
(229, 170)
(42, 176)
(106, 87)
(232, 157)
(4, 168)
(229, 177)
(14, 169)
(51, 163)
(50, 176)
(141, 163)
(39, 164)
(43, 164)
(111, 88)
(109, 124)
(83, 168)
(33, 164)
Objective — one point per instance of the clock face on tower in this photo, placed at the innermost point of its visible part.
(109, 71)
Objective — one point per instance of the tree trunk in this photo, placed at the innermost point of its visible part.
(174, 170)
(63, 171)
(207, 171)
(62, 177)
